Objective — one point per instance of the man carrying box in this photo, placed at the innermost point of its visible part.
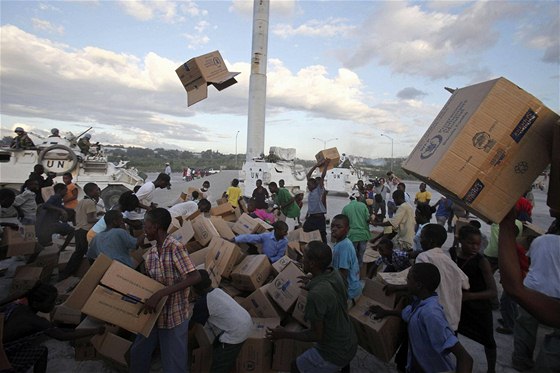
(168, 263)
(331, 328)
(316, 209)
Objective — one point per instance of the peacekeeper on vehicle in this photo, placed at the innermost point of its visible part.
(54, 133)
(84, 144)
(22, 140)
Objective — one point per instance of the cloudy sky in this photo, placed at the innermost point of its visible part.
(350, 70)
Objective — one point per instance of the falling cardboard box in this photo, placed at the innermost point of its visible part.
(286, 287)
(198, 73)
(112, 292)
(496, 136)
(331, 154)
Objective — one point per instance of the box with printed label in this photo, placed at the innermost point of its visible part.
(287, 350)
(248, 225)
(115, 293)
(198, 73)
(185, 233)
(222, 227)
(223, 209)
(256, 353)
(285, 287)
(222, 257)
(330, 153)
(299, 309)
(373, 289)
(281, 263)
(380, 337)
(204, 230)
(496, 136)
(299, 235)
(251, 273)
(260, 304)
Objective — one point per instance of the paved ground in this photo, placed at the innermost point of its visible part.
(61, 354)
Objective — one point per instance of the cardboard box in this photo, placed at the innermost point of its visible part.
(65, 287)
(393, 278)
(221, 201)
(198, 73)
(256, 353)
(113, 292)
(84, 350)
(222, 227)
(19, 242)
(192, 216)
(294, 251)
(260, 304)
(287, 350)
(201, 360)
(185, 233)
(221, 258)
(223, 209)
(373, 289)
(280, 264)
(199, 257)
(330, 153)
(299, 310)
(193, 246)
(251, 273)
(298, 235)
(176, 223)
(66, 315)
(25, 278)
(248, 225)
(204, 335)
(204, 230)
(286, 287)
(380, 337)
(496, 136)
(111, 346)
(229, 289)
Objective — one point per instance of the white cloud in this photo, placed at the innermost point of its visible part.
(411, 40)
(168, 11)
(43, 25)
(324, 28)
(196, 41)
(542, 32)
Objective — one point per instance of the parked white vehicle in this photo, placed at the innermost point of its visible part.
(60, 155)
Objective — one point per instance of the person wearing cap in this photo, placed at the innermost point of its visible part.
(22, 140)
(358, 217)
(84, 144)
(167, 170)
(54, 133)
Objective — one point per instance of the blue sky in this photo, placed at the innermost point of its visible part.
(350, 70)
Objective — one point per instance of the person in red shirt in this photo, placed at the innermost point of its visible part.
(524, 209)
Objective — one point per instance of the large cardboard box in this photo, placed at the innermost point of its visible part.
(25, 278)
(204, 230)
(380, 337)
(373, 289)
(286, 287)
(222, 210)
(185, 233)
(248, 225)
(256, 353)
(330, 153)
(198, 73)
(221, 258)
(260, 304)
(199, 256)
(222, 227)
(299, 310)
(111, 346)
(281, 263)
(287, 350)
(19, 242)
(251, 273)
(112, 292)
(204, 334)
(393, 278)
(496, 136)
(299, 235)
(201, 360)
(66, 315)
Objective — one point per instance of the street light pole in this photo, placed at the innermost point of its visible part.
(390, 138)
(325, 141)
(236, 148)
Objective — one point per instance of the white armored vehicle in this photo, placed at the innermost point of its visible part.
(279, 165)
(60, 155)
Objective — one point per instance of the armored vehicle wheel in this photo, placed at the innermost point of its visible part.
(58, 165)
(111, 194)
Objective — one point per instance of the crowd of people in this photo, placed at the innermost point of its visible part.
(448, 291)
